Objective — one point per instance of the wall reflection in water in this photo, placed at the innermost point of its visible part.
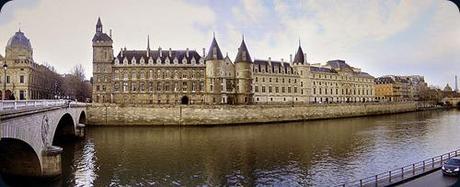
(327, 152)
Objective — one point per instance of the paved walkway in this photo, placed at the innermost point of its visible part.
(434, 179)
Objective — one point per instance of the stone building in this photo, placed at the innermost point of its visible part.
(416, 85)
(392, 88)
(338, 82)
(185, 77)
(25, 79)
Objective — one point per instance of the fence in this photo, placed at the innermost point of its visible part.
(404, 173)
(25, 104)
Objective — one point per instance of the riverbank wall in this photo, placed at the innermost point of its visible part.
(112, 114)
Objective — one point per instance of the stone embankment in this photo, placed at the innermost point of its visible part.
(112, 114)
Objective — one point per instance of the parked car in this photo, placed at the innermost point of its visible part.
(451, 166)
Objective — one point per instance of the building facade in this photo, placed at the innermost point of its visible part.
(24, 78)
(158, 76)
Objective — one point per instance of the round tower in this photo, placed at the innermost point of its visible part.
(243, 69)
(213, 80)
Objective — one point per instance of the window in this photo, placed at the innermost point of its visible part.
(21, 79)
(270, 89)
(263, 89)
(8, 79)
(256, 89)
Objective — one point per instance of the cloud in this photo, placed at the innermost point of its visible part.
(61, 30)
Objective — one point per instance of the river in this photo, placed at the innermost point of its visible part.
(319, 153)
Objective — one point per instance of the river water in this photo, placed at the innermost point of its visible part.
(319, 153)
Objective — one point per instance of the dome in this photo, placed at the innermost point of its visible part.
(19, 40)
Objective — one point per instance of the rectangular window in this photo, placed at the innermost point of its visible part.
(270, 89)
(257, 88)
(21, 79)
(8, 79)
(263, 89)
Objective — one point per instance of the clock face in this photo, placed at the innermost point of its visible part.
(44, 130)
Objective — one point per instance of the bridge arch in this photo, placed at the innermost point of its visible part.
(18, 158)
(82, 118)
(65, 129)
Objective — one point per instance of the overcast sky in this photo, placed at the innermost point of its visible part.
(381, 37)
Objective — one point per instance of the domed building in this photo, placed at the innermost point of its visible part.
(24, 78)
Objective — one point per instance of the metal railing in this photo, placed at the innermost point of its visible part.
(404, 173)
(25, 104)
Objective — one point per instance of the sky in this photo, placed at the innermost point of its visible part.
(401, 37)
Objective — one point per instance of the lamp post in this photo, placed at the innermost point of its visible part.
(4, 81)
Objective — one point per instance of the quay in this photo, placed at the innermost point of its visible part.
(425, 172)
(175, 115)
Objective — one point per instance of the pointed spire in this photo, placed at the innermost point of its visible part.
(243, 53)
(99, 25)
(299, 56)
(148, 42)
(214, 51)
(148, 46)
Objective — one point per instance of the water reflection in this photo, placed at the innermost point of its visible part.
(327, 152)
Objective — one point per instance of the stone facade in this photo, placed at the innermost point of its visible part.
(113, 114)
(25, 79)
(185, 77)
(399, 88)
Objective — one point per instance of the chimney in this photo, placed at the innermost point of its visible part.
(204, 52)
(270, 60)
(290, 58)
(305, 57)
(110, 33)
(121, 52)
(186, 52)
(170, 52)
(160, 52)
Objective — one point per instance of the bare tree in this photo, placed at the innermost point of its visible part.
(74, 84)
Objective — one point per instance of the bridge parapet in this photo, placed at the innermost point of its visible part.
(32, 128)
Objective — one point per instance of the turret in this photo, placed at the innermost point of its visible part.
(243, 69)
(214, 61)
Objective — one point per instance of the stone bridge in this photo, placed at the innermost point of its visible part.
(30, 132)
(454, 101)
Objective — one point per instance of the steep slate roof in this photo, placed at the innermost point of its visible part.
(338, 64)
(274, 64)
(214, 51)
(322, 69)
(384, 80)
(243, 54)
(299, 57)
(155, 54)
(101, 37)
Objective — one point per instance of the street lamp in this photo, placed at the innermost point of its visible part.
(4, 81)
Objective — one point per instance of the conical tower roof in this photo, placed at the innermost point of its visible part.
(243, 53)
(299, 57)
(214, 51)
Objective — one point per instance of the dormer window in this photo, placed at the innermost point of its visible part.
(193, 60)
(167, 61)
(142, 60)
(150, 60)
(175, 61)
(133, 61)
(158, 60)
(184, 61)
(125, 61)
(117, 61)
